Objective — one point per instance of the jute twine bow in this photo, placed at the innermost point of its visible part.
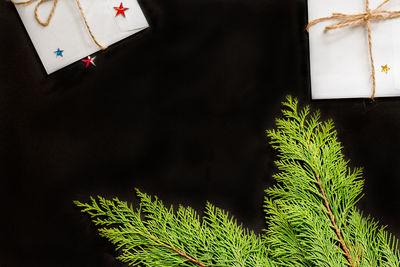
(369, 15)
(47, 22)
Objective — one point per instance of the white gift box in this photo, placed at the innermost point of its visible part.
(339, 59)
(67, 30)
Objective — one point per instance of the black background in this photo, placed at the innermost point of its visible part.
(179, 110)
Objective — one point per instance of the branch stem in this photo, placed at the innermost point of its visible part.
(332, 218)
(171, 248)
(186, 256)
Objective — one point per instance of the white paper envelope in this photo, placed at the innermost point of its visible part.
(67, 30)
(339, 59)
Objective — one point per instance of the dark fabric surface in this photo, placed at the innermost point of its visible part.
(180, 111)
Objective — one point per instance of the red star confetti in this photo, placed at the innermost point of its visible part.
(89, 61)
(121, 10)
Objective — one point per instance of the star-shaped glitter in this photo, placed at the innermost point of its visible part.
(385, 69)
(121, 10)
(59, 52)
(89, 61)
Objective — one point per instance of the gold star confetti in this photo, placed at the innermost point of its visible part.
(385, 69)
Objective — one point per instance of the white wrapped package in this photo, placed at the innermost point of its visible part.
(67, 31)
(340, 59)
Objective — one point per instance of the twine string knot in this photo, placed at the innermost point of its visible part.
(346, 20)
(368, 15)
(48, 20)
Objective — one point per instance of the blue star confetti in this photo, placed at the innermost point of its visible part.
(59, 52)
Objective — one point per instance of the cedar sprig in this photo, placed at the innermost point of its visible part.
(154, 235)
(311, 213)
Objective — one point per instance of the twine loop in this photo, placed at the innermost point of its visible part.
(48, 20)
(346, 20)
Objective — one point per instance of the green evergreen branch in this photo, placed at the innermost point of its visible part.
(120, 214)
(311, 214)
(313, 206)
(154, 235)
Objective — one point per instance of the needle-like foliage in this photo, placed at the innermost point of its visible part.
(154, 235)
(311, 214)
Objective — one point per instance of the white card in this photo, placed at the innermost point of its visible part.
(339, 59)
(67, 30)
